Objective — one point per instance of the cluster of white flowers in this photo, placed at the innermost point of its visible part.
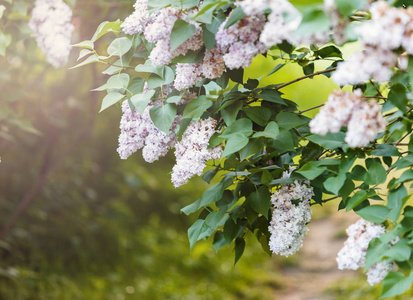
(212, 66)
(138, 131)
(389, 28)
(191, 152)
(240, 42)
(363, 118)
(338, 22)
(140, 18)
(277, 28)
(157, 29)
(289, 219)
(353, 255)
(50, 22)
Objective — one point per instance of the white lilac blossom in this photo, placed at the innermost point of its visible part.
(187, 75)
(338, 22)
(389, 28)
(50, 22)
(290, 214)
(253, 7)
(378, 271)
(213, 65)
(353, 255)
(139, 19)
(372, 63)
(191, 152)
(159, 32)
(363, 118)
(138, 131)
(277, 28)
(366, 121)
(386, 27)
(240, 42)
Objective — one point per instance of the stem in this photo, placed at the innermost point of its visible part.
(304, 77)
(311, 108)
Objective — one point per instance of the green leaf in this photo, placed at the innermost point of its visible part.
(330, 141)
(205, 13)
(110, 99)
(271, 131)
(334, 184)
(163, 116)
(328, 51)
(105, 28)
(397, 96)
(284, 141)
(243, 126)
(119, 46)
(395, 283)
(374, 213)
(85, 44)
(209, 39)
(181, 32)
(239, 249)
(89, 60)
(404, 162)
(314, 20)
(197, 231)
(196, 108)
(311, 170)
(395, 201)
(356, 199)
(230, 230)
(272, 96)
(191, 208)
(253, 147)
(401, 251)
(141, 101)
(276, 68)
(347, 7)
(236, 15)
(219, 240)
(260, 201)
(236, 142)
(215, 192)
(289, 120)
(230, 113)
(406, 176)
(376, 173)
(258, 114)
(385, 150)
(119, 81)
(147, 67)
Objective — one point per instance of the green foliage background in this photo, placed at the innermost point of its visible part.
(98, 227)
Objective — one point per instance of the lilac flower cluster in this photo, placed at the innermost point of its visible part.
(192, 151)
(353, 255)
(363, 118)
(138, 131)
(50, 23)
(139, 19)
(288, 222)
(389, 28)
(240, 42)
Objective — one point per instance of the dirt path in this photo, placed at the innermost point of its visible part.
(317, 268)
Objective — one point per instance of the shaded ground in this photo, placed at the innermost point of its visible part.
(316, 267)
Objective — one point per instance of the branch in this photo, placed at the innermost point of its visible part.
(304, 77)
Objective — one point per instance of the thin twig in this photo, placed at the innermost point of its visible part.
(315, 107)
(304, 77)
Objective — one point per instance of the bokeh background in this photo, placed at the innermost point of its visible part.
(77, 222)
